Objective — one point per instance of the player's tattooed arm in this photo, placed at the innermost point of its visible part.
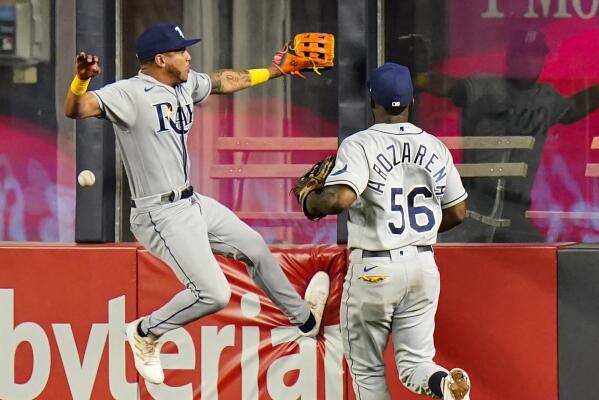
(330, 200)
(229, 80)
(232, 80)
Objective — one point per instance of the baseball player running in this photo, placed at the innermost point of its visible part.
(401, 188)
(152, 114)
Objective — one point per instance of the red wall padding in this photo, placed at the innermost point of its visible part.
(497, 318)
(64, 289)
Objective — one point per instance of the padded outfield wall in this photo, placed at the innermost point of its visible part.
(63, 309)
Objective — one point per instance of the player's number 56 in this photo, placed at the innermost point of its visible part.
(413, 210)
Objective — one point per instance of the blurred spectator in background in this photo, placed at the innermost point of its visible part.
(514, 104)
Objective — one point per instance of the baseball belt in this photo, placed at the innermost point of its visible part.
(170, 197)
(387, 253)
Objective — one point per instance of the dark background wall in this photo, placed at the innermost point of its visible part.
(578, 321)
(95, 215)
(356, 55)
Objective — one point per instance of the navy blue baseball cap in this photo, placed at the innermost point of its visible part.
(161, 38)
(391, 85)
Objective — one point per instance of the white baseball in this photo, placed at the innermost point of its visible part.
(86, 178)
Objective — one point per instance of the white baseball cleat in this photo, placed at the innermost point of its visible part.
(316, 297)
(456, 386)
(146, 353)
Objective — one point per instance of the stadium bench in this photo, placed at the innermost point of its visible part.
(292, 171)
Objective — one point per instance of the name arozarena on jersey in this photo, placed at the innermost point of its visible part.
(401, 153)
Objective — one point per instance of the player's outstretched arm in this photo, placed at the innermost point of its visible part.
(230, 80)
(583, 103)
(453, 216)
(78, 103)
(307, 51)
(441, 85)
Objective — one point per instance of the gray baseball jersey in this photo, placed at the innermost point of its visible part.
(403, 177)
(151, 121)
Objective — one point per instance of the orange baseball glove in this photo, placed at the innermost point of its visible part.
(313, 51)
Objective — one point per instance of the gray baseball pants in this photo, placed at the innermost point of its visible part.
(185, 235)
(395, 297)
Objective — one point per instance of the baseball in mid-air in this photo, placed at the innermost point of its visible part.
(86, 178)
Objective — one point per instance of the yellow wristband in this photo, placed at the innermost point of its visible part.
(258, 76)
(79, 87)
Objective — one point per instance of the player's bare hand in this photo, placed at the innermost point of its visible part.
(87, 66)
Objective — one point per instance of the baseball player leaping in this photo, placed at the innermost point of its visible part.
(401, 188)
(152, 114)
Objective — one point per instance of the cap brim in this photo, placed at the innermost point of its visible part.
(190, 42)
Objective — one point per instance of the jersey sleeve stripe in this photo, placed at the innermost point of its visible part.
(463, 196)
(205, 77)
(343, 182)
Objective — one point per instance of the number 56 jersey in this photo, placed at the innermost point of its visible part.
(404, 178)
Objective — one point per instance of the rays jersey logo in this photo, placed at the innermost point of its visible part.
(178, 121)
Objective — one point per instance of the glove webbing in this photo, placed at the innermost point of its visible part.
(314, 67)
